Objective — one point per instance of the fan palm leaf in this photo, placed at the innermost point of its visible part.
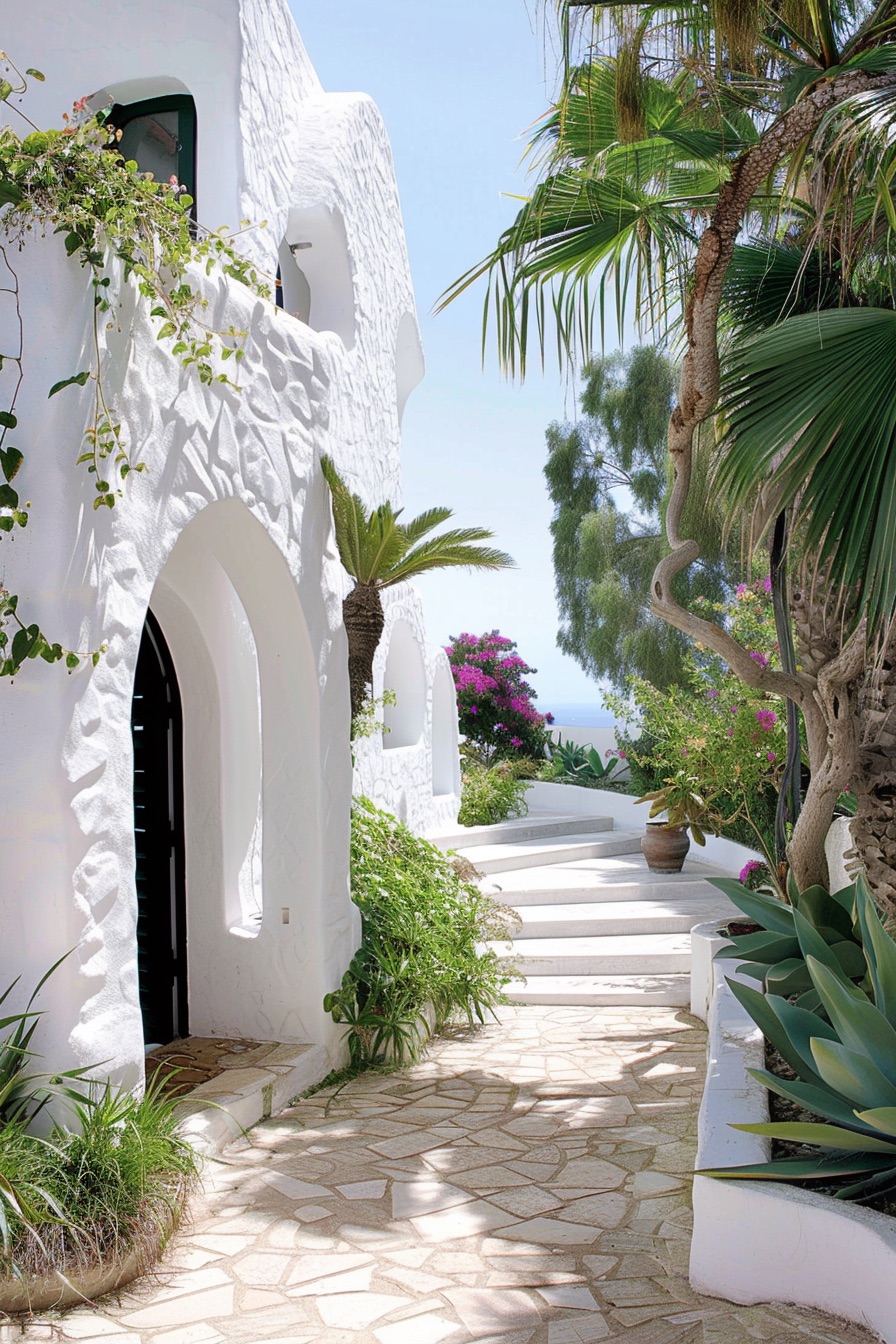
(809, 406)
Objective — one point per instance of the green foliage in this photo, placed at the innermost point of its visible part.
(128, 232)
(115, 1180)
(606, 546)
(714, 736)
(574, 764)
(421, 935)
(774, 956)
(491, 793)
(366, 722)
(844, 1065)
(375, 548)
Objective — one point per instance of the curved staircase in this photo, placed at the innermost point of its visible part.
(597, 927)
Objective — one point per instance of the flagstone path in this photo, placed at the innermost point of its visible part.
(526, 1184)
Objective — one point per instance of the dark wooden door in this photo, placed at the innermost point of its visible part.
(157, 728)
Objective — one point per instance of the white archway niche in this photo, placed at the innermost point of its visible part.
(445, 756)
(405, 674)
(231, 614)
(316, 272)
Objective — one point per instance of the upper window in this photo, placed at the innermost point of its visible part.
(159, 134)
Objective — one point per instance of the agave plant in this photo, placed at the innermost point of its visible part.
(580, 765)
(845, 1066)
(774, 954)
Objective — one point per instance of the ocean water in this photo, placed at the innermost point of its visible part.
(582, 714)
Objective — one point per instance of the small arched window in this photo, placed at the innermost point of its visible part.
(159, 134)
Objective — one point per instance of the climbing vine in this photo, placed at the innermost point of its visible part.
(125, 229)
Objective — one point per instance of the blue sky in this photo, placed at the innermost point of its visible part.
(458, 87)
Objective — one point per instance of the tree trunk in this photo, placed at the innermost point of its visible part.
(362, 613)
(874, 827)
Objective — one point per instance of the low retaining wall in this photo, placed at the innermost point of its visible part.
(760, 1242)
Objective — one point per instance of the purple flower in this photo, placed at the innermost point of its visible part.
(767, 583)
(516, 741)
(741, 589)
(766, 719)
(474, 709)
(713, 695)
(735, 708)
(759, 658)
(769, 755)
(748, 870)
(549, 718)
(730, 732)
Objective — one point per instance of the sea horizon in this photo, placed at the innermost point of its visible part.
(577, 713)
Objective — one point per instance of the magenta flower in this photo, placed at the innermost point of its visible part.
(770, 756)
(766, 719)
(748, 870)
(741, 589)
(759, 658)
(767, 583)
(516, 741)
(713, 695)
(474, 709)
(730, 732)
(735, 708)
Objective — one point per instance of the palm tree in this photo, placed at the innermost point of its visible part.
(379, 551)
(700, 119)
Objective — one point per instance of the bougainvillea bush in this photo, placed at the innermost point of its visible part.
(495, 705)
(726, 738)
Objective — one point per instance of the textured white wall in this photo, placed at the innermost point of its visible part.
(227, 533)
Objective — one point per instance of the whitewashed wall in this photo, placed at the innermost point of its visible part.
(228, 535)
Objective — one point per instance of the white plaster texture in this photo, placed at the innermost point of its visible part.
(762, 1242)
(228, 535)
(419, 779)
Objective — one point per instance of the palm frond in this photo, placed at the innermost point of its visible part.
(425, 522)
(447, 551)
(810, 407)
(350, 518)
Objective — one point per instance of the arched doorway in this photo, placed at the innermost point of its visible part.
(157, 731)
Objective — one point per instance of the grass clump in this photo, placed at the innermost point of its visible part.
(492, 793)
(421, 961)
(111, 1177)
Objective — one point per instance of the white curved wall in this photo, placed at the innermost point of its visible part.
(404, 674)
(445, 756)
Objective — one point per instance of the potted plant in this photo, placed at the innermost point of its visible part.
(675, 809)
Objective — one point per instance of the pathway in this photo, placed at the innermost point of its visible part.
(526, 1184)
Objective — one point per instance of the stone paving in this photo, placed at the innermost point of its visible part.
(526, 1184)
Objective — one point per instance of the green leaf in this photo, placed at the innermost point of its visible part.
(881, 1117)
(71, 661)
(821, 1136)
(765, 910)
(9, 499)
(8, 420)
(763, 947)
(5, 90)
(852, 1074)
(72, 242)
(10, 461)
(78, 378)
(880, 953)
(802, 1168)
(10, 193)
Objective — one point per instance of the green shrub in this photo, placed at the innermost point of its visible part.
(115, 1178)
(490, 794)
(422, 930)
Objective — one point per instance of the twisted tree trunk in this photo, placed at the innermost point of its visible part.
(874, 827)
(824, 698)
(362, 612)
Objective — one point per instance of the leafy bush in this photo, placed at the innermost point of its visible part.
(844, 1067)
(117, 1181)
(491, 793)
(495, 705)
(421, 933)
(729, 738)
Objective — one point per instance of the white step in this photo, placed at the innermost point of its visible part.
(491, 858)
(603, 991)
(603, 919)
(615, 955)
(626, 878)
(529, 827)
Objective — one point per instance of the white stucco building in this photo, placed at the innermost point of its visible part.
(215, 582)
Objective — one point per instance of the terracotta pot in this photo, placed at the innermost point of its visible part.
(664, 847)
